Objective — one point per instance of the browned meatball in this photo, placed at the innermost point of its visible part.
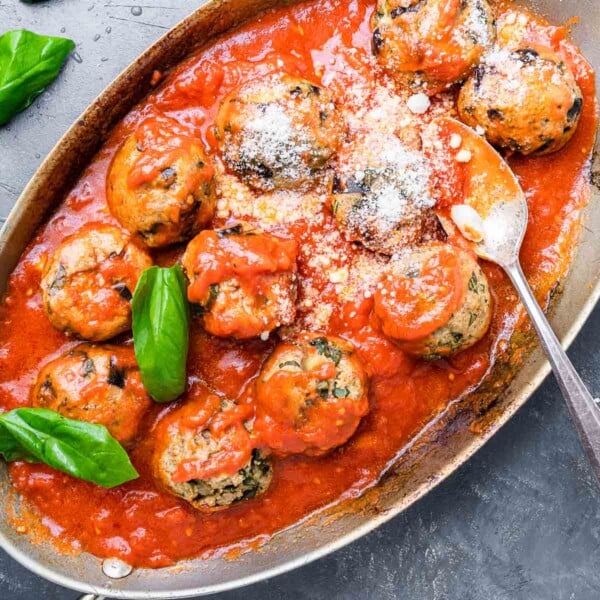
(206, 455)
(88, 282)
(434, 301)
(243, 282)
(161, 184)
(381, 196)
(431, 44)
(525, 100)
(279, 132)
(99, 384)
(311, 395)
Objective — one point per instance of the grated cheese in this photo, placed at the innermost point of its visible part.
(418, 103)
(387, 135)
(468, 221)
(455, 141)
(463, 156)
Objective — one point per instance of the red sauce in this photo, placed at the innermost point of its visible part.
(145, 526)
(203, 411)
(243, 257)
(417, 304)
(288, 422)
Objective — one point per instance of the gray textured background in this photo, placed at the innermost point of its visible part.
(521, 521)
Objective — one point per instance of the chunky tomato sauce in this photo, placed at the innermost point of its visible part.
(241, 257)
(425, 302)
(328, 42)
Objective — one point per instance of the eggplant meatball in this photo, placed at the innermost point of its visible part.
(434, 302)
(278, 132)
(381, 195)
(310, 395)
(206, 455)
(429, 45)
(98, 384)
(525, 100)
(160, 184)
(243, 282)
(88, 283)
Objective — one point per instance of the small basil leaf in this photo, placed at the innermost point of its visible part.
(28, 64)
(83, 450)
(160, 331)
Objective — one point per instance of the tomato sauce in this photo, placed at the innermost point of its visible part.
(416, 305)
(217, 258)
(203, 410)
(327, 42)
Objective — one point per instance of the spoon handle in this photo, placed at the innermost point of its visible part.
(582, 406)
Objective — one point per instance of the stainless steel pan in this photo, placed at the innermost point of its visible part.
(441, 449)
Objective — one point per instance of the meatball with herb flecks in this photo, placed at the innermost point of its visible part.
(525, 100)
(87, 284)
(98, 384)
(429, 45)
(381, 196)
(279, 132)
(161, 184)
(310, 395)
(434, 301)
(243, 282)
(206, 455)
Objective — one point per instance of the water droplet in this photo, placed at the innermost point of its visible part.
(38, 155)
(108, 29)
(96, 37)
(63, 29)
(116, 568)
(77, 57)
(136, 11)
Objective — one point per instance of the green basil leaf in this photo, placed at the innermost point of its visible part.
(28, 64)
(83, 450)
(160, 331)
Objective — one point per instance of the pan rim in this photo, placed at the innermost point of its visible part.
(521, 397)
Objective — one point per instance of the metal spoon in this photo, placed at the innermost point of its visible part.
(501, 204)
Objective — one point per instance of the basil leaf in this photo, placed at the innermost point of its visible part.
(28, 63)
(160, 331)
(81, 449)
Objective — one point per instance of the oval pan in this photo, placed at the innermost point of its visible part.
(441, 448)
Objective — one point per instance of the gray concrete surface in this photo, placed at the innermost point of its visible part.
(521, 521)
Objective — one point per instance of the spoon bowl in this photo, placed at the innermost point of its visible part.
(477, 177)
(487, 185)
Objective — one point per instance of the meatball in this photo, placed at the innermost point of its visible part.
(433, 302)
(99, 384)
(160, 184)
(206, 455)
(429, 45)
(381, 195)
(88, 283)
(278, 132)
(310, 395)
(525, 100)
(243, 282)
